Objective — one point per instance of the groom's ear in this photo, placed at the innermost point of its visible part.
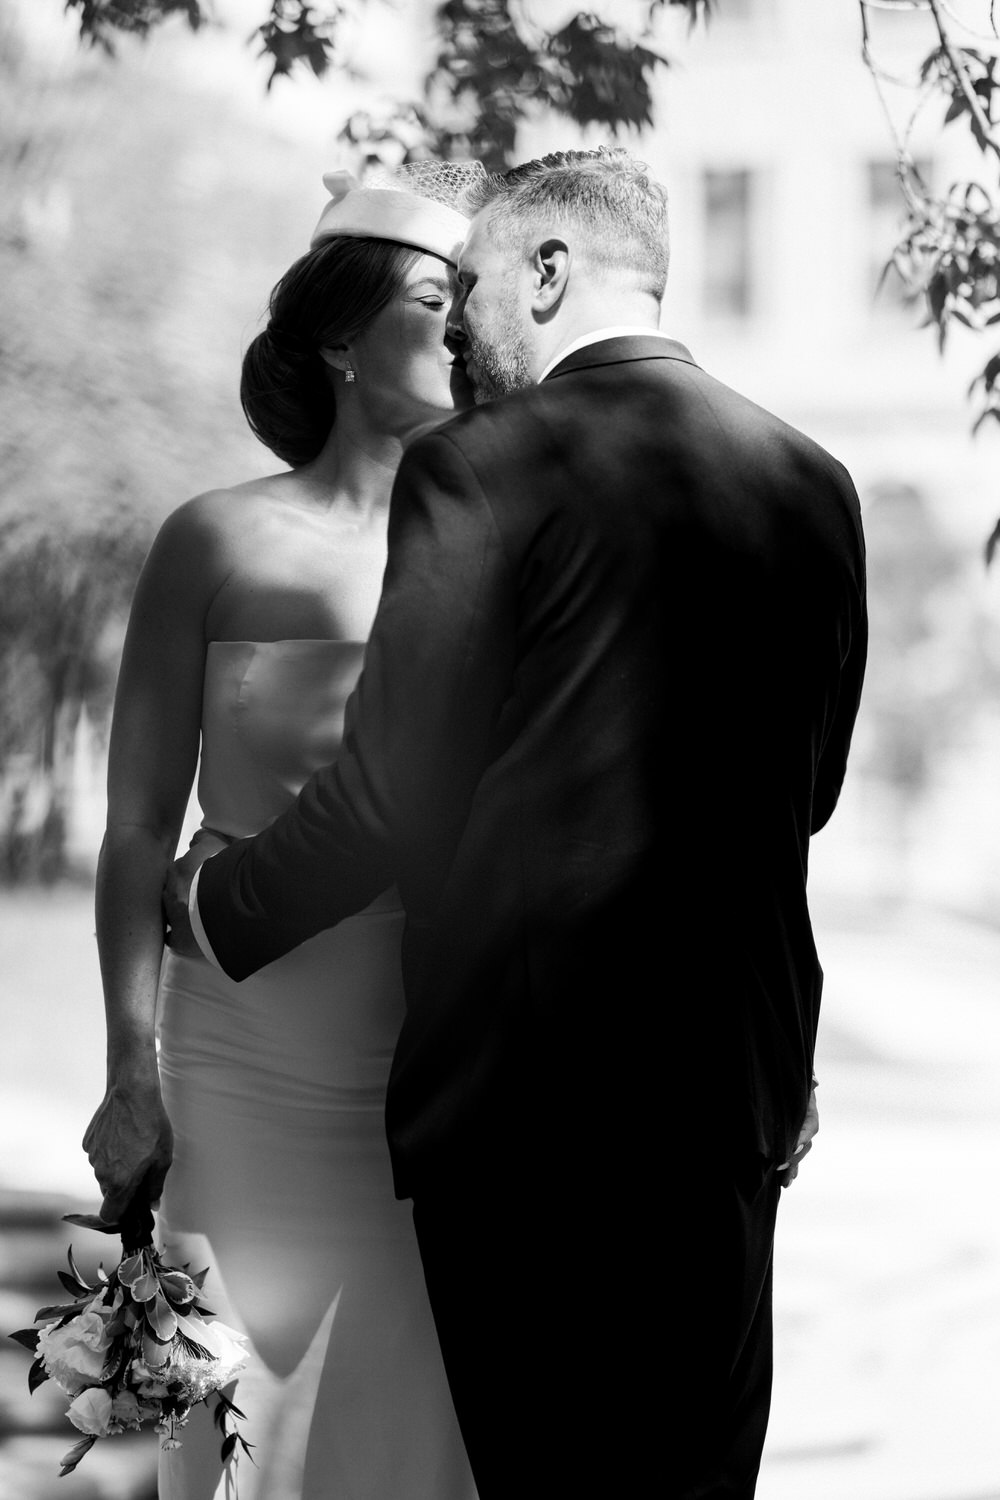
(550, 273)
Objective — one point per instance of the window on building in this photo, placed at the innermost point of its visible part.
(886, 216)
(728, 207)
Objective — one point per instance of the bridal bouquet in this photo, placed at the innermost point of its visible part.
(137, 1347)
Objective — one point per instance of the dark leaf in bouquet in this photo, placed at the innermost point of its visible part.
(224, 1407)
(229, 1446)
(78, 1288)
(203, 1312)
(198, 1277)
(179, 1290)
(79, 1450)
(74, 1269)
(222, 1411)
(28, 1337)
(92, 1221)
(992, 544)
(59, 1310)
(119, 1322)
(37, 1376)
(191, 1346)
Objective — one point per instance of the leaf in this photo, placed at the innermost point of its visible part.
(937, 291)
(224, 1408)
(161, 1317)
(92, 1221)
(79, 1450)
(37, 1376)
(155, 1352)
(59, 1310)
(27, 1337)
(228, 1446)
(984, 416)
(78, 1288)
(992, 543)
(74, 1269)
(145, 1287)
(179, 1290)
(131, 1268)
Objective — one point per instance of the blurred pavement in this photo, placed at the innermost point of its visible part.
(888, 1260)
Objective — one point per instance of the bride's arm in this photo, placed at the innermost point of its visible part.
(152, 760)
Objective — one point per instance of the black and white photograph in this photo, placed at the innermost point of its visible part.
(499, 796)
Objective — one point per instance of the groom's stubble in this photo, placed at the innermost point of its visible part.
(500, 353)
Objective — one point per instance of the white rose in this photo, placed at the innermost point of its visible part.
(75, 1354)
(91, 1411)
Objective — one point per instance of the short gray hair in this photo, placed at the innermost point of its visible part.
(618, 210)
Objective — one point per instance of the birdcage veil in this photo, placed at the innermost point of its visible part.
(456, 184)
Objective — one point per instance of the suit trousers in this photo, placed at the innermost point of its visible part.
(604, 1336)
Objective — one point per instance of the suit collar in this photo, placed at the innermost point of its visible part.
(621, 350)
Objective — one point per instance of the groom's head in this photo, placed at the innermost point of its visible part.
(560, 247)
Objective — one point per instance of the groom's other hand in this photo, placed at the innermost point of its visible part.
(176, 894)
(789, 1170)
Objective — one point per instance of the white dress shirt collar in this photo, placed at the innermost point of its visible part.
(617, 331)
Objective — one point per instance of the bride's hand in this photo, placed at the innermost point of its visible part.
(130, 1145)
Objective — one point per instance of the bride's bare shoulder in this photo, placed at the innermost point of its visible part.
(218, 524)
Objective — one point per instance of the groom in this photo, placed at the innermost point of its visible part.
(607, 698)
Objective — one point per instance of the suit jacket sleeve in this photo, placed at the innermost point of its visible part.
(417, 738)
(853, 634)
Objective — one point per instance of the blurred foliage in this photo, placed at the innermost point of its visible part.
(949, 250)
(126, 312)
(493, 66)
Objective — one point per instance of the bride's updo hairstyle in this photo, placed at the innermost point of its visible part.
(366, 241)
(327, 297)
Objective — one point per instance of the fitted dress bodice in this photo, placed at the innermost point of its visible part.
(272, 714)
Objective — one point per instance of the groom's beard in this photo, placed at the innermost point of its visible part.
(500, 361)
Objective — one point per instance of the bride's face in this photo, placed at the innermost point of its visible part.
(406, 376)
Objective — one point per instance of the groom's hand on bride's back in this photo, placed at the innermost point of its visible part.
(176, 892)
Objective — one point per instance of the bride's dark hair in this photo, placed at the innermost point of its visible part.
(326, 297)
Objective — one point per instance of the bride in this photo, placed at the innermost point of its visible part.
(259, 1117)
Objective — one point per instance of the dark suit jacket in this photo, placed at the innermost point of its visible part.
(608, 697)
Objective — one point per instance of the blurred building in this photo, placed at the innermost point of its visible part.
(780, 163)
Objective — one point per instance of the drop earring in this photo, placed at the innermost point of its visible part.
(349, 374)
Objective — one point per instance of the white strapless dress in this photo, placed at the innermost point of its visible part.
(281, 1181)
